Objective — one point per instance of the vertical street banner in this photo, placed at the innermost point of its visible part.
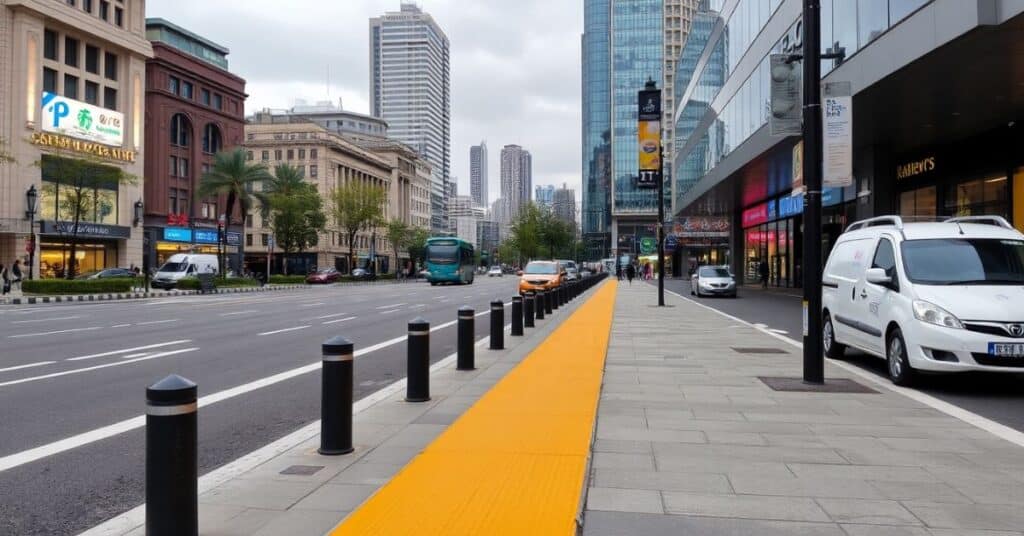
(649, 138)
(837, 135)
(798, 168)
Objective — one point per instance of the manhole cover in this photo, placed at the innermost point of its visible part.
(836, 385)
(758, 350)
(302, 470)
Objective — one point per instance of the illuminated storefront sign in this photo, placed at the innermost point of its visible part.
(81, 120)
(83, 147)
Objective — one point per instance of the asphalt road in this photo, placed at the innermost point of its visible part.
(999, 396)
(68, 369)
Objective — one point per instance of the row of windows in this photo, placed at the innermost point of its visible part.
(184, 89)
(72, 68)
(181, 134)
(103, 12)
(290, 153)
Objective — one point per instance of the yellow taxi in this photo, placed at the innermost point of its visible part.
(541, 275)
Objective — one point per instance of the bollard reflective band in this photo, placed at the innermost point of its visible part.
(169, 411)
(426, 332)
(346, 357)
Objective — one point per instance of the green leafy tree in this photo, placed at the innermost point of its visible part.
(416, 245)
(398, 236)
(294, 208)
(84, 190)
(357, 206)
(526, 235)
(231, 175)
(555, 234)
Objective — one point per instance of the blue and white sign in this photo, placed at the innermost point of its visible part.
(772, 210)
(81, 120)
(177, 234)
(790, 206)
(206, 236)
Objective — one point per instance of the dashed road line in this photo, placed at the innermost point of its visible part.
(96, 367)
(45, 333)
(130, 350)
(276, 331)
(236, 313)
(391, 306)
(311, 304)
(157, 322)
(44, 320)
(30, 365)
(340, 320)
(120, 325)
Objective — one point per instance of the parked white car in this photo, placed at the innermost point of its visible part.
(943, 297)
(495, 271)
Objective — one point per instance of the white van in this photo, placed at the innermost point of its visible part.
(942, 297)
(183, 265)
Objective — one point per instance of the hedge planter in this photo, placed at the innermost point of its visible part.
(77, 286)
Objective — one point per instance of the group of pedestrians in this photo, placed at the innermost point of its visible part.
(633, 270)
(10, 278)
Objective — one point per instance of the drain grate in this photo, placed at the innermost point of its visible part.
(837, 385)
(754, 350)
(302, 470)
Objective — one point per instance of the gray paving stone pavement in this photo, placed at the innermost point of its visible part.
(689, 441)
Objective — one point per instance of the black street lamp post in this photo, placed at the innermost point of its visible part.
(31, 197)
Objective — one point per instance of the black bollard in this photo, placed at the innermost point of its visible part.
(418, 361)
(561, 295)
(467, 358)
(554, 298)
(336, 386)
(539, 305)
(497, 325)
(517, 316)
(172, 481)
(528, 310)
(548, 299)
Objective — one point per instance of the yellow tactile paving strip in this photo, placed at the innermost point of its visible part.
(514, 462)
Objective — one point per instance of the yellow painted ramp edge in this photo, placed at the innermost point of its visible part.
(514, 462)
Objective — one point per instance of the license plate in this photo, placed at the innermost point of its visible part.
(1006, 349)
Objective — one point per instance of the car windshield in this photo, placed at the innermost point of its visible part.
(86, 275)
(174, 267)
(714, 271)
(964, 261)
(540, 268)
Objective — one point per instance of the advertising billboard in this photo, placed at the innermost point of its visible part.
(80, 120)
(649, 138)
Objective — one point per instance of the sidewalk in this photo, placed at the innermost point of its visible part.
(690, 441)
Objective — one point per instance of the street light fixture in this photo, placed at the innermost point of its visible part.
(31, 197)
(138, 212)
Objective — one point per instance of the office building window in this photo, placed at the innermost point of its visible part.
(172, 166)
(302, 154)
(110, 65)
(92, 59)
(248, 239)
(104, 10)
(265, 239)
(173, 84)
(119, 16)
(110, 98)
(183, 167)
(312, 154)
(92, 93)
(248, 155)
(50, 45)
(218, 102)
(302, 172)
(265, 155)
(179, 130)
(313, 170)
(70, 52)
(49, 80)
(277, 154)
(248, 221)
(70, 86)
(186, 90)
(87, 6)
(204, 97)
(291, 154)
(211, 139)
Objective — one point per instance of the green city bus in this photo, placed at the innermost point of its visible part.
(449, 260)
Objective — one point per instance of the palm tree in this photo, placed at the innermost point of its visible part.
(296, 208)
(231, 175)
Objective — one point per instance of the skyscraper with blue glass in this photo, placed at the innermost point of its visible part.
(623, 47)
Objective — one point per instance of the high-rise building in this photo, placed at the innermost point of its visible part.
(544, 195)
(87, 59)
(516, 178)
(623, 46)
(410, 89)
(563, 204)
(678, 17)
(478, 174)
(196, 109)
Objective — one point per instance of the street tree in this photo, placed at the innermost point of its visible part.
(356, 206)
(231, 175)
(294, 208)
(84, 190)
(555, 234)
(416, 245)
(398, 236)
(526, 235)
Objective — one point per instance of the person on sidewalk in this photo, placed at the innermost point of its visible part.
(762, 270)
(5, 280)
(618, 272)
(16, 275)
(630, 273)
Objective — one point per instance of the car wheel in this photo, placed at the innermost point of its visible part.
(900, 371)
(833, 349)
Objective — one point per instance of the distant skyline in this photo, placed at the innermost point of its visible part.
(514, 65)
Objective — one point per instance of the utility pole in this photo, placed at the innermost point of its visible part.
(814, 361)
(651, 173)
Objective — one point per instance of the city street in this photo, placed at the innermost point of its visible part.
(999, 397)
(68, 370)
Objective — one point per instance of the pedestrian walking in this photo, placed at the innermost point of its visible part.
(762, 270)
(630, 273)
(5, 280)
(618, 272)
(16, 275)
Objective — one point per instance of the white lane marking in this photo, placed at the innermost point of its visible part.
(129, 350)
(311, 304)
(276, 331)
(157, 322)
(30, 365)
(130, 356)
(390, 311)
(340, 320)
(779, 331)
(391, 306)
(418, 305)
(236, 313)
(44, 320)
(43, 334)
(43, 451)
(999, 430)
(325, 316)
(96, 367)
(120, 325)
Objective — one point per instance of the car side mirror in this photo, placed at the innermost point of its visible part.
(878, 276)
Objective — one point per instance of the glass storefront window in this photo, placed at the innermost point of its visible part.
(60, 199)
(982, 197)
(54, 257)
(920, 203)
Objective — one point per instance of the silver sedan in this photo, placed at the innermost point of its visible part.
(713, 281)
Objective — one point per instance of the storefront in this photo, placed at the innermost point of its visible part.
(96, 246)
(697, 241)
(173, 240)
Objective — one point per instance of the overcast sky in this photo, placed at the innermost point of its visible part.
(515, 67)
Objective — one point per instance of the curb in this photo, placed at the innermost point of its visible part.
(34, 300)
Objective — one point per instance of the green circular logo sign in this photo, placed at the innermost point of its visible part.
(648, 245)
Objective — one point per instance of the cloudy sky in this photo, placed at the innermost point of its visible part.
(515, 67)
